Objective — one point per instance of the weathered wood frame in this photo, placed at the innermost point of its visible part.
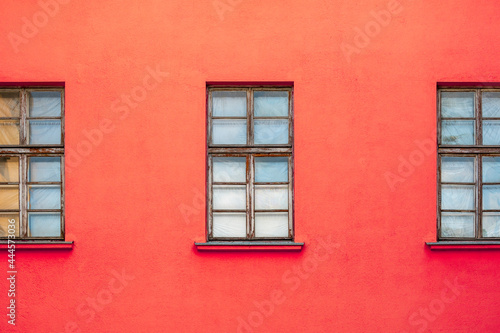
(24, 151)
(250, 151)
(477, 151)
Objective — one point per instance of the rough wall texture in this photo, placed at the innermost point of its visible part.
(365, 75)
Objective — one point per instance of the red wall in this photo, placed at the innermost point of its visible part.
(135, 197)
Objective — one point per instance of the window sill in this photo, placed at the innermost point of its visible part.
(464, 245)
(249, 246)
(37, 245)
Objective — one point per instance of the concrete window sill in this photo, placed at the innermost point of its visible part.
(249, 246)
(38, 245)
(464, 245)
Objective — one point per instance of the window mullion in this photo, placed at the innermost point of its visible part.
(439, 194)
(479, 163)
(290, 198)
(24, 197)
(250, 138)
(479, 204)
(22, 124)
(209, 204)
(250, 197)
(209, 106)
(439, 119)
(63, 126)
(478, 115)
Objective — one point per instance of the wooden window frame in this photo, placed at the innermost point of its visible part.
(250, 151)
(477, 151)
(24, 151)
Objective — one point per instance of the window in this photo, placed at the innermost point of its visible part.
(31, 162)
(250, 163)
(469, 164)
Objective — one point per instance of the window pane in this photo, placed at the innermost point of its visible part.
(491, 169)
(457, 169)
(9, 169)
(457, 197)
(45, 131)
(45, 104)
(229, 131)
(9, 104)
(491, 132)
(491, 197)
(457, 225)
(270, 103)
(457, 104)
(455, 132)
(229, 225)
(9, 132)
(271, 169)
(4, 223)
(271, 131)
(229, 169)
(229, 104)
(229, 197)
(271, 224)
(44, 197)
(44, 169)
(491, 224)
(271, 197)
(44, 224)
(491, 104)
(9, 197)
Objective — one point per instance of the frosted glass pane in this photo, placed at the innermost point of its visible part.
(491, 225)
(457, 104)
(229, 197)
(229, 131)
(271, 197)
(270, 103)
(455, 132)
(229, 104)
(457, 225)
(270, 131)
(491, 104)
(271, 224)
(9, 197)
(45, 104)
(44, 169)
(229, 225)
(45, 131)
(491, 197)
(457, 169)
(229, 169)
(9, 169)
(491, 132)
(44, 197)
(491, 169)
(9, 104)
(9, 132)
(4, 224)
(271, 169)
(44, 225)
(457, 197)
